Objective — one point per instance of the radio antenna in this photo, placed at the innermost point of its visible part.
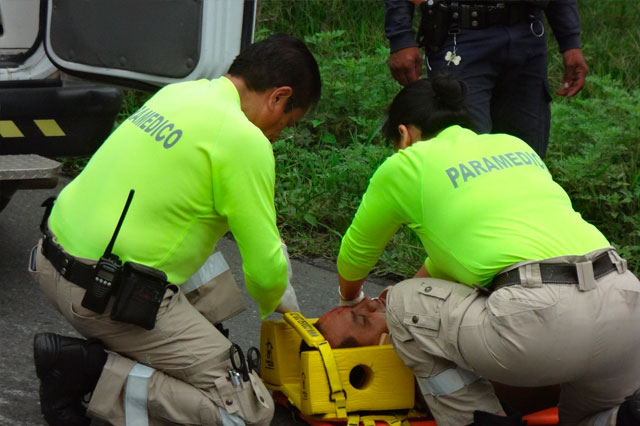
(107, 251)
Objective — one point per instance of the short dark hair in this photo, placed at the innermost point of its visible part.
(280, 60)
(347, 342)
(431, 105)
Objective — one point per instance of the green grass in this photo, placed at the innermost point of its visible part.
(324, 165)
(596, 159)
(360, 20)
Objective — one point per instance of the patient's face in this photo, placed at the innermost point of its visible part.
(364, 322)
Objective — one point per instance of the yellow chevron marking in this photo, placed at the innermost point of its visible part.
(8, 129)
(49, 127)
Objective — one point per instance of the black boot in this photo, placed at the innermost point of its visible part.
(629, 412)
(68, 368)
(482, 418)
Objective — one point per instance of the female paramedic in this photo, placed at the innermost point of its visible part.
(517, 288)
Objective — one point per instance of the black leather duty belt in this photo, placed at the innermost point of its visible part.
(556, 273)
(483, 15)
(68, 266)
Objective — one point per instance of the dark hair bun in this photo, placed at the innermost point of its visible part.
(450, 92)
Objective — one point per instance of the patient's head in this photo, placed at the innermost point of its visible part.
(358, 325)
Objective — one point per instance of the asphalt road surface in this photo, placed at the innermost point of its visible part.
(24, 310)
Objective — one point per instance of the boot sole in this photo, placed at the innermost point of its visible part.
(44, 346)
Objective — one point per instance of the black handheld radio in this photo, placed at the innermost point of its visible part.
(107, 272)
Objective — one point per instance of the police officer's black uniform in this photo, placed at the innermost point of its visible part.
(499, 49)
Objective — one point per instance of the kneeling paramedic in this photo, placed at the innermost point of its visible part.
(517, 288)
(193, 163)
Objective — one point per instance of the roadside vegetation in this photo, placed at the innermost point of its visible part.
(324, 164)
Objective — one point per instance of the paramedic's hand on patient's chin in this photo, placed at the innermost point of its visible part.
(351, 302)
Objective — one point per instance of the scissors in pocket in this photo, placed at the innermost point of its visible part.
(244, 365)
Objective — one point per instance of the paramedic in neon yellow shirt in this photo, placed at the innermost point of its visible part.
(198, 155)
(564, 311)
(452, 180)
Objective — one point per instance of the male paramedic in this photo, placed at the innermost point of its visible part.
(517, 288)
(199, 159)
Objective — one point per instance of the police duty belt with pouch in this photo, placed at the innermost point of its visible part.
(138, 289)
(442, 18)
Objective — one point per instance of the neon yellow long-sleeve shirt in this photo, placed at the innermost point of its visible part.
(478, 203)
(199, 168)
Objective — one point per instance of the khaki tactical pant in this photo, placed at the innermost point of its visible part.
(188, 382)
(585, 337)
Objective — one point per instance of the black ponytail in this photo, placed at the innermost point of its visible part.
(431, 105)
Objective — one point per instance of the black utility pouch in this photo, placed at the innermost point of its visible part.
(434, 25)
(139, 295)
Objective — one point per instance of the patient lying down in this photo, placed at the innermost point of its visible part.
(364, 324)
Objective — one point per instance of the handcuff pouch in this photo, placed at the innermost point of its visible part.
(434, 25)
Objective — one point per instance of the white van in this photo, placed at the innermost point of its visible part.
(64, 63)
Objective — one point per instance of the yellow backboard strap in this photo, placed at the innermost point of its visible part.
(330, 366)
(313, 338)
(353, 419)
(392, 420)
(304, 328)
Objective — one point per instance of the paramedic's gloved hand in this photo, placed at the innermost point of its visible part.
(289, 301)
(351, 302)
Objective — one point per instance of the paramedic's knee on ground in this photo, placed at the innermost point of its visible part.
(154, 396)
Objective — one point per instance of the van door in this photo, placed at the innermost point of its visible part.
(151, 42)
(63, 64)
